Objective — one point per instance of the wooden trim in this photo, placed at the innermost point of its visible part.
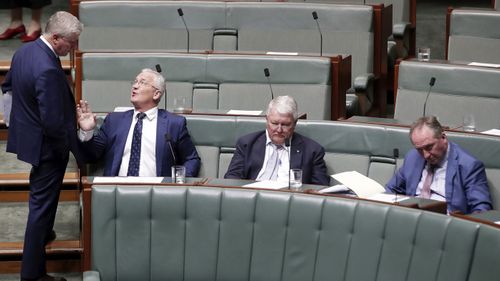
(23, 196)
(55, 265)
(85, 237)
(341, 82)
(476, 220)
(413, 28)
(22, 179)
(383, 29)
(396, 78)
(448, 22)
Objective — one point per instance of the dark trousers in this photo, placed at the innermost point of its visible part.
(45, 183)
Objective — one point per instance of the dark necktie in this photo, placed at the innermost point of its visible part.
(135, 150)
(426, 187)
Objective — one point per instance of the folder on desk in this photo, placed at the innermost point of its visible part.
(361, 185)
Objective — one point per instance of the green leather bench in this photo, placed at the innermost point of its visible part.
(219, 81)
(208, 233)
(473, 35)
(459, 89)
(366, 148)
(358, 30)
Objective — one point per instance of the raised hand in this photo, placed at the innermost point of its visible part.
(86, 119)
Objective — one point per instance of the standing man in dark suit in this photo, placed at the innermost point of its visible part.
(165, 140)
(42, 130)
(253, 151)
(441, 170)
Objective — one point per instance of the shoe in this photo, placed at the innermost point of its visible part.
(31, 37)
(12, 32)
(51, 237)
(46, 278)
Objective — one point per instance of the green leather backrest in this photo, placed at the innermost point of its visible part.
(234, 26)
(474, 36)
(223, 81)
(458, 90)
(204, 233)
(366, 148)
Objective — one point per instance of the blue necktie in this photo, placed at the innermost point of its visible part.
(135, 150)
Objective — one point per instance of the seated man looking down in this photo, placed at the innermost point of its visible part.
(439, 169)
(145, 141)
(264, 155)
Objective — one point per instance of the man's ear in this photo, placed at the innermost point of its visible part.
(157, 95)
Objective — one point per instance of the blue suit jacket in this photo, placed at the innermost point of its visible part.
(466, 185)
(306, 154)
(112, 136)
(43, 117)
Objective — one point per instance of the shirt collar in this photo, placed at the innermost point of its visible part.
(48, 45)
(151, 114)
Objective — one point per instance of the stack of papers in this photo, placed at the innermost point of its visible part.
(361, 185)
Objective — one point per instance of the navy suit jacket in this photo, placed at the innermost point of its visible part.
(466, 185)
(112, 136)
(43, 117)
(306, 154)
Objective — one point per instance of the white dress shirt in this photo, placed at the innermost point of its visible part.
(438, 191)
(283, 163)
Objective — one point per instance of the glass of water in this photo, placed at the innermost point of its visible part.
(469, 123)
(295, 179)
(424, 54)
(178, 174)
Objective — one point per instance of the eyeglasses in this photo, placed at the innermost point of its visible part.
(142, 83)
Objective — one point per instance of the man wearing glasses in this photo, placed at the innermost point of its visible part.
(264, 155)
(145, 141)
(441, 170)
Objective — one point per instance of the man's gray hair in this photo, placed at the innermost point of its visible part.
(284, 105)
(159, 80)
(63, 24)
(429, 121)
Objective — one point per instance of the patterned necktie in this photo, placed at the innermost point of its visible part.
(135, 150)
(426, 187)
(271, 171)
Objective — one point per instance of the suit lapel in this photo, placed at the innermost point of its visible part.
(451, 171)
(161, 129)
(257, 157)
(121, 139)
(296, 151)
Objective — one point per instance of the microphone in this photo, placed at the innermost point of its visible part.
(267, 74)
(315, 17)
(181, 14)
(395, 153)
(288, 145)
(158, 68)
(431, 84)
(168, 139)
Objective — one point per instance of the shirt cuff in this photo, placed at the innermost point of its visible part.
(85, 135)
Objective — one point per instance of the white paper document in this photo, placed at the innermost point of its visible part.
(334, 189)
(283, 53)
(363, 186)
(495, 132)
(267, 184)
(484, 64)
(244, 112)
(127, 180)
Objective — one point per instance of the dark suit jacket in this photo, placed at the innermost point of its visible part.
(466, 185)
(43, 118)
(306, 154)
(112, 136)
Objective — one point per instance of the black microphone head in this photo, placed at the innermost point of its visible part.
(158, 68)
(167, 137)
(179, 11)
(288, 142)
(315, 15)
(396, 153)
(432, 81)
(266, 72)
